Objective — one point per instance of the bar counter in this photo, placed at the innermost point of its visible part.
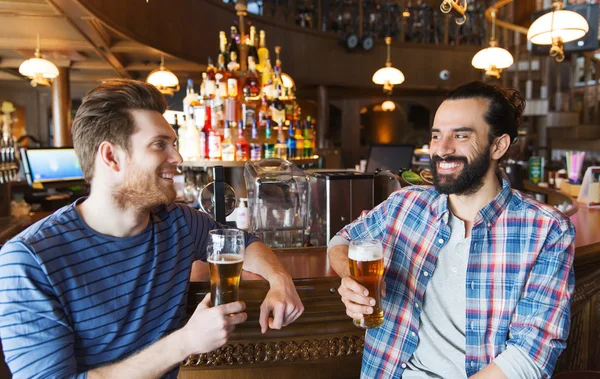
(323, 342)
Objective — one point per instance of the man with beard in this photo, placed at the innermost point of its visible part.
(479, 277)
(99, 288)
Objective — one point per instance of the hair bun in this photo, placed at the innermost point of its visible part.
(517, 101)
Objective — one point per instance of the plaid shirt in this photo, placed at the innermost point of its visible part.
(519, 286)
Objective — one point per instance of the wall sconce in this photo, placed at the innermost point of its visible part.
(456, 9)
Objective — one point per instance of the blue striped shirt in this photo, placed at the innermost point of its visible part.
(72, 299)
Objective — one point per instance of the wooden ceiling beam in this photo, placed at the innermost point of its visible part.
(132, 47)
(46, 44)
(79, 19)
(21, 8)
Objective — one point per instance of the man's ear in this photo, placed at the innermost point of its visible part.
(110, 156)
(500, 146)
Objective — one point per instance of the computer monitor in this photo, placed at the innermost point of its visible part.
(390, 157)
(51, 167)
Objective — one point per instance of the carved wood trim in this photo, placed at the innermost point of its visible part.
(584, 291)
(283, 351)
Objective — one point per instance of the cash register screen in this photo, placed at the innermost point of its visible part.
(51, 165)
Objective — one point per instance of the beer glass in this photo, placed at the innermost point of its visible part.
(366, 267)
(225, 260)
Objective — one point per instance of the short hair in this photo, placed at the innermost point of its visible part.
(505, 109)
(104, 115)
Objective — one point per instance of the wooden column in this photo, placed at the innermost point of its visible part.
(61, 109)
(322, 116)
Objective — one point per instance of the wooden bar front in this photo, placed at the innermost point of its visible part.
(322, 343)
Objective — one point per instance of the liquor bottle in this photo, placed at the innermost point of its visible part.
(308, 151)
(263, 52)
(242, 147)
(181, 140)
(175, 125)
(232, 47)
(252, 82)
(277, 70)
(248, 108)
(218, 111)
(192, 140)
(277, 106)
(189, 97)
(223, 47)
(280, 146)
(250, 42)
(222, 77)
(264, 113)
(291, 142)
(227, 146)
(255, 145)
(231, 109)
(210, 83)
(299, 140)
(214, 144)
(232, 80)
(267, 80)
(269, 144)
(204, 134)
(202, 94)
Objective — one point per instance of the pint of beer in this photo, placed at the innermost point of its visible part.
(366, 267)
(225, 260)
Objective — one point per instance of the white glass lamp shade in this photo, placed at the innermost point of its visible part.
(287, 80)
(388, 106)
(389, 75)
(38, 67)
(492, 56)
(164, 80)
(564, 24)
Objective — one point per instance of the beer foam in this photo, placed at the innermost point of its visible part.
(365, 253)
(226, 259)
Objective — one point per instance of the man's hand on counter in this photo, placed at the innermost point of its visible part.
(281, 306)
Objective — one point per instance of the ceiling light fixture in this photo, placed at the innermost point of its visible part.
(458, 10)
(493, 59)
(388, 106)
(556, 28)
(388, 76)
(163, 79)
(41, 71)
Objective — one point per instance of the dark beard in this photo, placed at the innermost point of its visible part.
(468, 181)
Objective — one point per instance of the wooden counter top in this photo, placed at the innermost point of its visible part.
(313, 263)
(305, 263)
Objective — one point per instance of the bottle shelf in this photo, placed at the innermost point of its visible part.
(212, 163)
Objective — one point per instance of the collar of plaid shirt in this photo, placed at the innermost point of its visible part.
(519, 277)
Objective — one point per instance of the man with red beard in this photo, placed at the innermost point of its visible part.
(479, 277)
(99, 288)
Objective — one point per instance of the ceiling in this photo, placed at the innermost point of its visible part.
(71, 37)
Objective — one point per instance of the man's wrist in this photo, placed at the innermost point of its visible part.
(279, 279)
(178, 343)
